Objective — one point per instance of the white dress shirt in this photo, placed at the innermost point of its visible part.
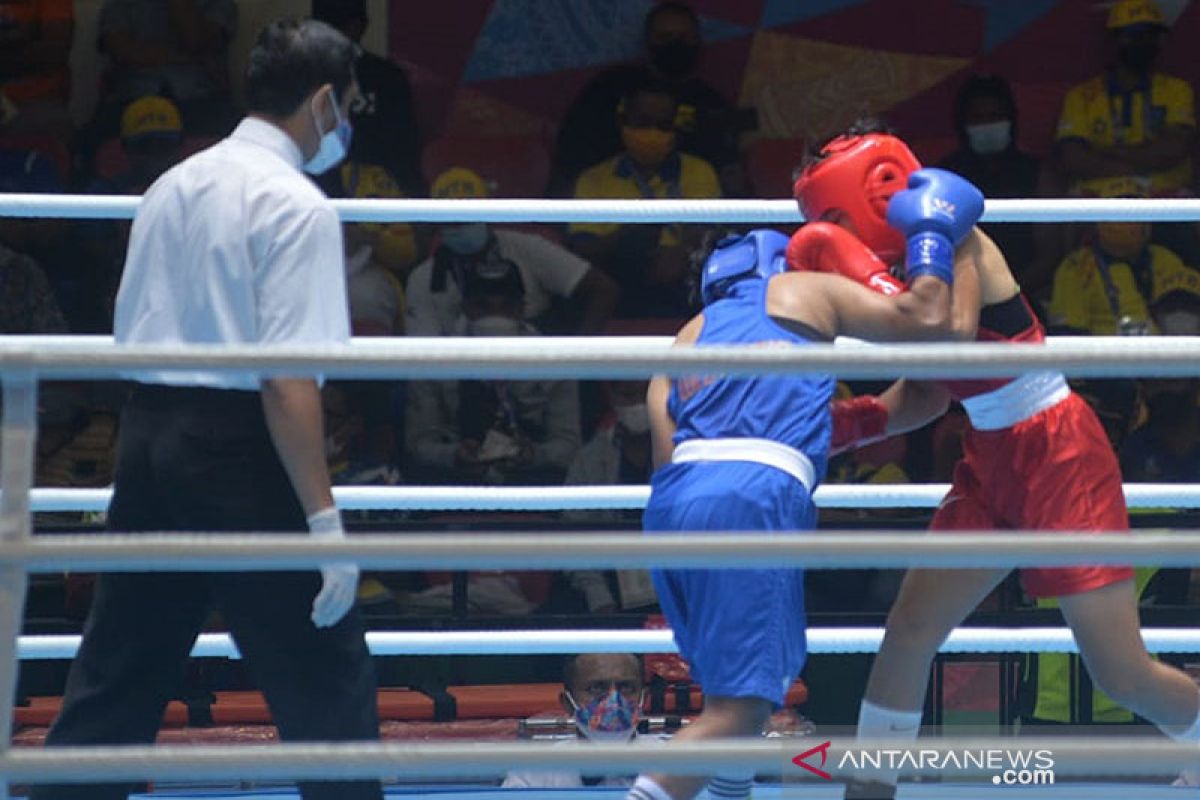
(234, 246)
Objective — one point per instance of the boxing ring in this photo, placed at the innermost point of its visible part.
(24, 361)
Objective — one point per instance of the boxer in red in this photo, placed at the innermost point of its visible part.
(1035, 458)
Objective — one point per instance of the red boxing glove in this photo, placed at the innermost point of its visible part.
(825, 247)
(857, 422)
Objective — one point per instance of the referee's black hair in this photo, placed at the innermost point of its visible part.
(291, 60)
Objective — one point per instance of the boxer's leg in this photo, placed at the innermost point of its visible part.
(1106, 627)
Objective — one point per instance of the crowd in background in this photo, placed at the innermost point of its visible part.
(647, 129)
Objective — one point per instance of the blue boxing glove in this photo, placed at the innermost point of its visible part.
(935, 213)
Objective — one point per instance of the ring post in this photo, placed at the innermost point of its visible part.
(18, 433)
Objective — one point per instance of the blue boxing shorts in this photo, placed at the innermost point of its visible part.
(742, 631)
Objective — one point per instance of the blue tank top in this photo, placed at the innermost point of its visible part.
(789, 409)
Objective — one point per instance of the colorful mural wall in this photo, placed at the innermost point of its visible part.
(511, 67)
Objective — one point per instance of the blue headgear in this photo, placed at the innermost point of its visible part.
(756, 254)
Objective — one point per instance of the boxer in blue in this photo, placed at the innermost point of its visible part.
(745, 454)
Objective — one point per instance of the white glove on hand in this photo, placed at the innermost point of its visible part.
(339, 582)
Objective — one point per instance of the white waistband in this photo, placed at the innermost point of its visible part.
(1016, 401)
(759, 451)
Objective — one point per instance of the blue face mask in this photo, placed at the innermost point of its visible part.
(610, 718)
(334, 145)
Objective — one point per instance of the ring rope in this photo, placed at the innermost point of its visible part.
(768, 212)
(1106, 756)
(568, 642)
(384, 760)
(608, 498)
(188, 552)
(537, 357)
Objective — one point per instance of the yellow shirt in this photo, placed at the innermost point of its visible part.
(1080, 298)
(690, 177)
(1091, 113)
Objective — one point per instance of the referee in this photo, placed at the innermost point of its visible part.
(234, 246)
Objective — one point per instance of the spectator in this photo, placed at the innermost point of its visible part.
(152, 141)
(1107, 286)
(35, 43)
(649, 262)
(362, 416)
(394, 246)
(547, 270)
(27, 303)
(385, 125)
(493, 432)
(1167, 447)
(618, 453)
(45, 240)
(602, 693)
(985, 121)
(176, 48)
(1131, 120)
(707, 125)
(378, 257)
(1117, 403)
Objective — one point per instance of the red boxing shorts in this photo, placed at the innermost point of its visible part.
(1053, 471)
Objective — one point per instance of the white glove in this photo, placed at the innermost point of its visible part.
(339, 582)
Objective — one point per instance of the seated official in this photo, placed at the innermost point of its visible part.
(602, 693)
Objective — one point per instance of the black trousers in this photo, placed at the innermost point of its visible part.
(197, 460)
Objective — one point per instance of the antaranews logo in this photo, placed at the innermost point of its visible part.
(1007, 767)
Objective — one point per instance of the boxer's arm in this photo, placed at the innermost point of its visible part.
(662, 426)
(836, 306)
(967, 294)
(921, 314)
(913, 404)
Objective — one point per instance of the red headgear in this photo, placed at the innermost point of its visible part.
(857, 175)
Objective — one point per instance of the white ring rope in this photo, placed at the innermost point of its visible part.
(533, 359)
(538, 357)
(242, 552)
(610, 498)
(568, 642)
(766, 212)
(1106, 756)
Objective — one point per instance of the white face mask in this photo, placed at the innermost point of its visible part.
(634, 418)
(495, 326)
(334, 145)
(991, 137)
(1179, 323)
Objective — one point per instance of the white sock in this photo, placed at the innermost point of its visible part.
(1192, 734)
(645, 788)
(1191, 775)
(731, 786)
(877, 722)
